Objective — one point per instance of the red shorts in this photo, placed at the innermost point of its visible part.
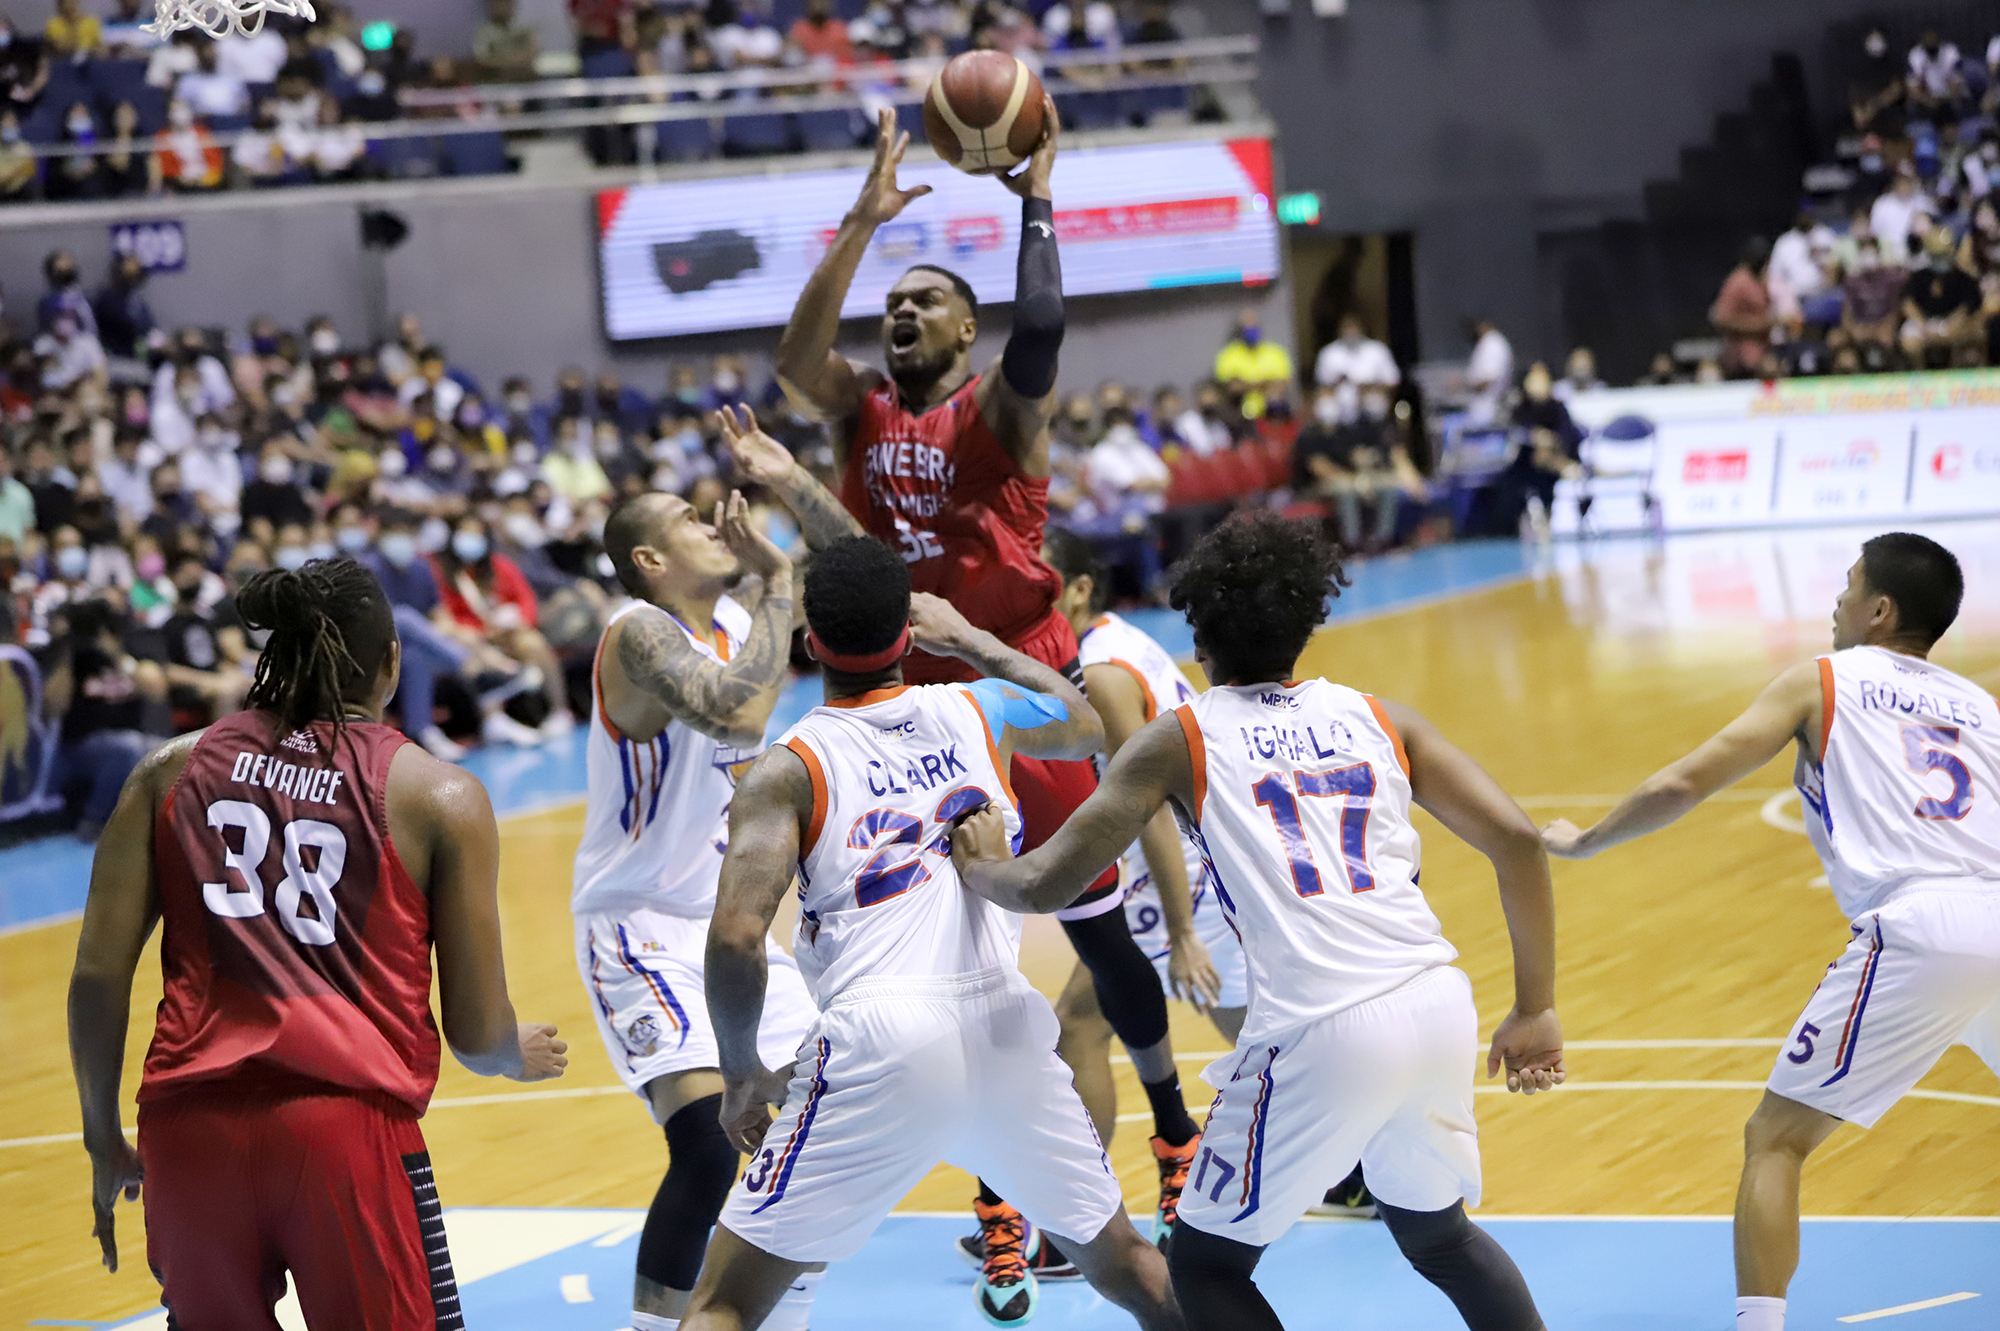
(1049, 791)
(334, 1188)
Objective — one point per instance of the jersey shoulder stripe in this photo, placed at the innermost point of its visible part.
(1389, 729)
(1197, 756)
(1827, 696)
(817, 775)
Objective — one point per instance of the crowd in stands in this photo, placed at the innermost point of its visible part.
(1901, 269)
(128, 113)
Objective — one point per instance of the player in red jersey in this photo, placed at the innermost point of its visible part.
(951, 467)
(303, 857)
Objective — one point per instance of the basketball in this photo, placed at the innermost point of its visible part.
(983, 113)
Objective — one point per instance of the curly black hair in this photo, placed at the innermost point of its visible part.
(857, 595)
(1254, 589)
(331, 627)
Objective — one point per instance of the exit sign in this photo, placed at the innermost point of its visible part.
(1298, 209)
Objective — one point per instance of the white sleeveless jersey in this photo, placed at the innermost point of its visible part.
(1113, 641)
(1302, 811)
(657, 819)
(879, 899)
(1908, 788)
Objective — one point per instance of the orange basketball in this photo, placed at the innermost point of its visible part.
(983, 113)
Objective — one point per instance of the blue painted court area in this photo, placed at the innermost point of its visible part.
(1587, 1274)
(47, 880)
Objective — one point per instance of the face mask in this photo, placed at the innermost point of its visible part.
(136, 413)
(213, 439)
(1876, 46)
(371, 84)
(441, 458)
(469, 546)
(351, 540)
(82, 131)
(325, 342)
(392, 463)
(524, 530)
(470, 418)
(64, 277)
(727, 381)
(1866, 260)
(321, 550)
(10, 134)
(71, 561)
(1326, 410)
(264, 346)
(277, 471)
(181, 117)
(291, 558)
(399, 548)
(608, 447)
(666, 478)
(520, 404)
(150, 566)
(1252, 336)
(1374, 408)
(433, 535)
(524, 455)
(689, 394)
(189, 594)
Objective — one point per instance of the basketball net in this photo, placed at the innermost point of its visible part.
(222, 18)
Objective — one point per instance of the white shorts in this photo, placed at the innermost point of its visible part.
(645, 975)
(1921, 974)
(1387, 1083)
(899, 1075)
(1211, 926)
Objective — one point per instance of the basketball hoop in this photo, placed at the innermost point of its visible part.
(222, 18)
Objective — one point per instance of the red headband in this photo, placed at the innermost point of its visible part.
(860, 665)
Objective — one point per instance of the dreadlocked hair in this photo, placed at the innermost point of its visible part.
(330, 626)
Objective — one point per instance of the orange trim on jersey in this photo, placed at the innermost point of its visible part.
(1098, 623)
(992, 748)
(1389, 729)
(722, 648)
(597, 685)
(1152, 707)
(1197, 756)
(820, 796)
(1826, 702)
(870, 698)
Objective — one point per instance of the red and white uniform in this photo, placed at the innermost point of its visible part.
(1904, 810)
(1113, 641)
(938, 487)
(930, 1044)
(294, 1049)
(1361, 1035)
(656, 823)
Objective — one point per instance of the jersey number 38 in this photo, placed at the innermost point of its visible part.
(304, 898)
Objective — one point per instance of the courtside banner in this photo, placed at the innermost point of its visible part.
(1751, 454)
(701, 255)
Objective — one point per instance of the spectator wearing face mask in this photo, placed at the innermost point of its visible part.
(20, 171)
(1579, 375)
(1941, 311)
(1545, 446)
(124, 475)
(52, 485)
(173, 508)
(1355, 358)
(64, 294)
(572, 469)
(17, 505)
(485, 594)
(211, 90)
(186, 157)
(78, 175)
(1344, 457)
(207, 665)
(1253, 370)
(275, 496)
(72, 355)
(430, 649)
(1127, 483)
(1742, 311)
(101, 693)
(212, 473)
(124, 319)
(1874, 292)
(1489, 371)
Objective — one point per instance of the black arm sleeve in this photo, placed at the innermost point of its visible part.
(1029, 363)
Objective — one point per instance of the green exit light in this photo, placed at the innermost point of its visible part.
(378, 36)
(1298, 209)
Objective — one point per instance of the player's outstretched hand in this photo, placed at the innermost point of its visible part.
(880, 200)
(112, 1171)
(542, 1054)
(758, 456)
(1032, 179)
(747, 1103)
(980, 836)
(752, 548)
(1563, 839)
(1530, 1044)
(936, 625)
(1191, 974)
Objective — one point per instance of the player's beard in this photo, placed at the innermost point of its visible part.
(916, 378)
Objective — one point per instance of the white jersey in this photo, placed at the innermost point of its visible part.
(657, 817)
(1302, 808)
(879, 898)
(1113, 641)
(1908, 787)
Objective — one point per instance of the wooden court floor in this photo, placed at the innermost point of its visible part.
(1569, 687)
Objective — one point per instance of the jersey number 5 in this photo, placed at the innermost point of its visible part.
(1356, 785)
(1923, 750)
(245, 897)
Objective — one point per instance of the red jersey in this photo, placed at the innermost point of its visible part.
(296, 946)
(968, 521)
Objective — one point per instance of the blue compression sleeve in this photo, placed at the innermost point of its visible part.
(1011, 705)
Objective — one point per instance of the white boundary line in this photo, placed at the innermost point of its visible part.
(1910, 1307)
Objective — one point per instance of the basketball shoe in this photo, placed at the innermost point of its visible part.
(1349, 1199)
(1174, 1162)
(1046, 1262)
(1006, 1291)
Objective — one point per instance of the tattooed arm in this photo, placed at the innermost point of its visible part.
(764, 460)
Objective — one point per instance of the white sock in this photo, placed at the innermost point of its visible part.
(1760, 1314)
(653, 1322)
(795, 1304)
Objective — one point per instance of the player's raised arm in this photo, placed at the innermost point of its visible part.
(774, 800)
(1789, 708)
(118, 917)
(1018, 401)
(1154, 766)
(1045, 716)
(818, 379)
(452, 818)
(1458, 793)
(822, 517)
(728, 701)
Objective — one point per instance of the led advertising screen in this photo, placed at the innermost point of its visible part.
(701, 255)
